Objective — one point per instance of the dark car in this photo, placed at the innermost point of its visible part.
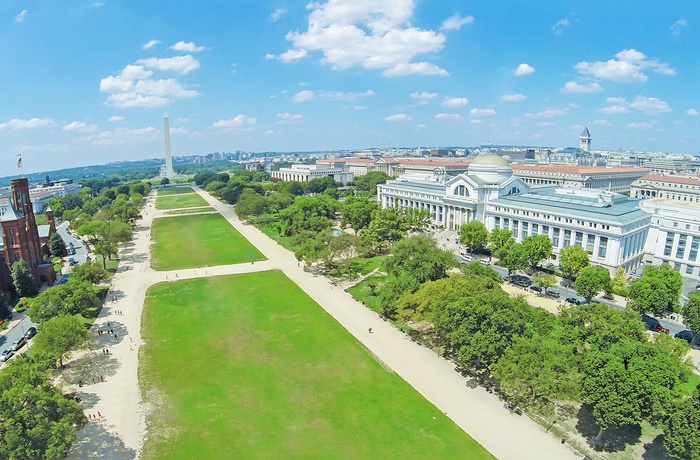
(650, 322)
(19, 343)
(31, 332)
(685, 335)
(535, 288)
(573, 300)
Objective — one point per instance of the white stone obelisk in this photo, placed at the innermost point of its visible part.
(168, 159)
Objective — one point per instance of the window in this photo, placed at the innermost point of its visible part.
(497, 222)
(567, 237)
(579, 239)
(555, 237)
(523, 234)
(603, 247)
(590, 243)
(461, 191)
(669, 243)
(545, 230)
(535, 229)
(694, 249)
(689, 269)
(506, 224)
(681, 246)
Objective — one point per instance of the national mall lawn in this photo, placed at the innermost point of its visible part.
(249, 366)
(179, 201)
(198, 240)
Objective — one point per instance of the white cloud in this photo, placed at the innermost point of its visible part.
(278, 14)
(291, 55)
(269, 56)
(17, 124)
(286, 118)
(421, 126)
(455, 22)
(692, 112)
(455, 101)
(370, 35)
(482, 112)
(602, 123)
(237, 124)
(188, 47)
(180, 64)
(547, 113)
(560, 25)
(523, 69)
(115, 118)
(424, 98)
(513, 97)
(135, 72)
(628, 66)
(133, 88)
(615, 109)
(80, 127)
(650, 105)
(448, 116)
(303, 96)
(678, 26)
(398, 117)
(121, 136)
(573, 87)
(150, 44)
(544, 124)
(20, 17)
(643, 125)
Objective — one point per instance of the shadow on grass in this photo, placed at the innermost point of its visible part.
(90, 369)
(614, 440)
(95, 441)
(655, 450)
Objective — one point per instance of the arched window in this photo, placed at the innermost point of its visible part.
(514, 191)
(461, 191)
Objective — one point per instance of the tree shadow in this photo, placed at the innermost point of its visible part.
(655, 450)
(614, 440)
(94, 441)
(91, 368)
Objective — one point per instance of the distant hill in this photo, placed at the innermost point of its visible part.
(150, 167)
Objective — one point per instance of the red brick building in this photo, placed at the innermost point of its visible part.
(20, 236)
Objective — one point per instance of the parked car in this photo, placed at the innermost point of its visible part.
(19, 343)
(485, 262)
(650, 321)
(31, 332)
(552, 294)
(536, 288)
(7, 354)
(573, 300)
(660, 329)
(685, 335)
(467, 258)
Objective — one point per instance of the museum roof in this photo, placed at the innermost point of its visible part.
(578, 169)
(672, 178)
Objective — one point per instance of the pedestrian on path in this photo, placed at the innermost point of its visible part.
(370, 330)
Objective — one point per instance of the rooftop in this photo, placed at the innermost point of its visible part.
(672, 178)
(579, 169)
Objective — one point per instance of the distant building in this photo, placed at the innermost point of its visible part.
(672, 187)
(585, 140)
(613, 179)
(305, 173)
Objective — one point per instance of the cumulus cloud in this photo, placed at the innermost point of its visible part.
(150, 44)
(455, 22)
(237, 124)
(367, 34)
(547, 113)
(307, 95)
(180, 64)
(559, 26)
(644, 104)
(188, 47)
(17, 124)
(115, 118)
(286, 118)
(424, 98)
(421, 126)
(482, 112)
(692, 112)
(602, 123)
(626, 67)
(79, 126)
(121, 136)
(455, 101)
(398, 117)
(643, 125)
(303, 96)
(289, 55)
(513, 97)
(475, 121)
(278, 14)
(523, 69)
(21, 16)
(448, 116)
(574, 87)
(678, 26)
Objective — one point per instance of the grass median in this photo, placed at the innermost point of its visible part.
(249, 366)
(190, 200)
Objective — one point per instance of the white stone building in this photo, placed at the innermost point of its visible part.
(305, 173)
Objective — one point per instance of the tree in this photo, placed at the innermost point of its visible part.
(72, 298)
(57, 247)
(592, 281)
(38, 421)
(369, 182)
(24, 281)
(416, 218)
(619, 282)
(357, 212)
(320, 184)
(537, 248)
(691, 314)
(474, 235)
(682, 433)
(498, 239)
(658, 289)
(250, 204)
(572, 260)
(89, 272)
(59, 335)
(386, 226)
(512, 257)
(544, 280)
(164, 181)
(420, 257)
(394, 289)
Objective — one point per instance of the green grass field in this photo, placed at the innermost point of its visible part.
(174, 191)
(263, 372)
(190, 210)
(190, 200)
(198, 240)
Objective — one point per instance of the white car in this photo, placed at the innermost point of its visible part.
(485, 262)
(7, 354)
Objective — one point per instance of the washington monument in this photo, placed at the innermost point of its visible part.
(168, 159)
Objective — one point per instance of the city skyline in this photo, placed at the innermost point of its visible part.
(89, 82)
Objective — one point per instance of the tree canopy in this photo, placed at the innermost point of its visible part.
(658, 289)
(592, 281)
(23, 280)
(474, 235)
(59, 335)
(537, 248)
(357, 212)
(498, 239)
(420, 257)
(572, 260)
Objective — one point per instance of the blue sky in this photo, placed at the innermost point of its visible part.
(88, 82)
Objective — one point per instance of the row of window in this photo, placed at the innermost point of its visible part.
(680, 249)
(567, 220)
